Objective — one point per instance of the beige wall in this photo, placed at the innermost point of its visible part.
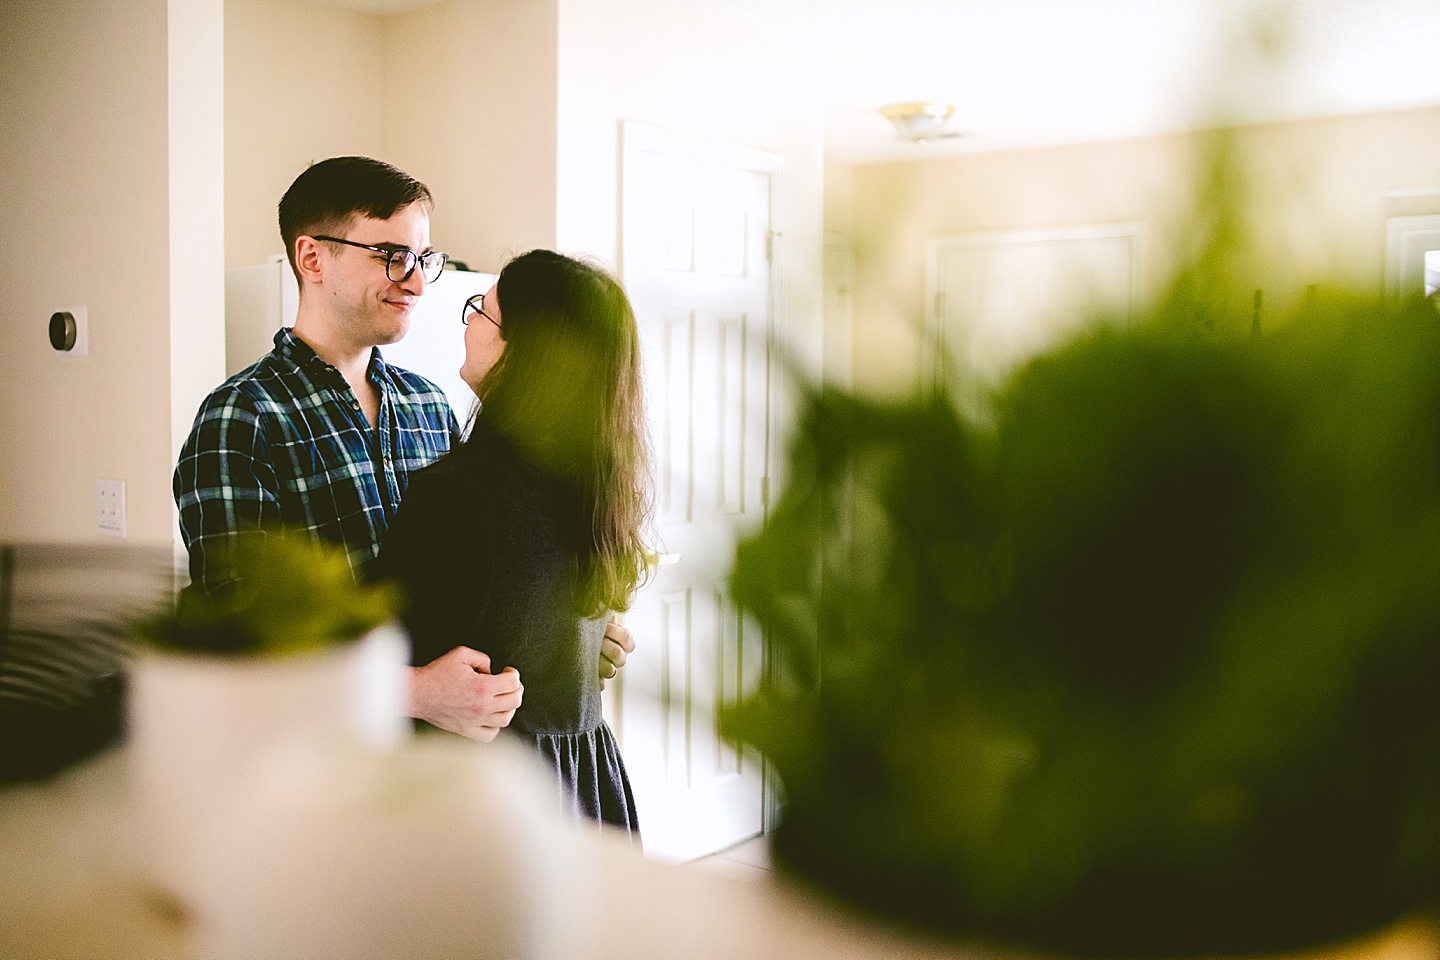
(303, 81)
(1318, 191)
(485, 142)
(460, 94)
(88, 181)
(839, 198)
(520, 142)
(683, 66)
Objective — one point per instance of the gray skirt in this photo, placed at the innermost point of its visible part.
(590, 775)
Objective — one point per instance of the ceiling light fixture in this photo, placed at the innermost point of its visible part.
(920, 121)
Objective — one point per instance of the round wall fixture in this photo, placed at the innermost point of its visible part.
(63, 330)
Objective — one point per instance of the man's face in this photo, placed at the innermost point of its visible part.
(368, 308)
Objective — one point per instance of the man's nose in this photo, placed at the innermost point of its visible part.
(415, 283)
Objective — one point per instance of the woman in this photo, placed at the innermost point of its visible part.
(526, 536)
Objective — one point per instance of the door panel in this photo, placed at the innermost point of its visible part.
(998, 299)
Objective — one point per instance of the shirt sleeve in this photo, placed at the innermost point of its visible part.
(224, 482)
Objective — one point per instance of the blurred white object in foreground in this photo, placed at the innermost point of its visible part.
(275, 807)
(438, 849)
(202, 729)
(443, 849)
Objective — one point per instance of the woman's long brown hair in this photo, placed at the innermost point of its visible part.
(566, 392)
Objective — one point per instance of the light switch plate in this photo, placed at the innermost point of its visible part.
(110, 508)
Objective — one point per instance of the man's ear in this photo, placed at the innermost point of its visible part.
(309, 260)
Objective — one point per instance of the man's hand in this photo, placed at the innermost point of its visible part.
(457, 692)
(614, 649)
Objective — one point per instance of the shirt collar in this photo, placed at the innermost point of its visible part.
(301, 354)
(377, 371)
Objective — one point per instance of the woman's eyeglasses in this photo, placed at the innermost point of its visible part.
(476, 305)
(403, 261)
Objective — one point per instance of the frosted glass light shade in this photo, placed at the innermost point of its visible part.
(919, 120)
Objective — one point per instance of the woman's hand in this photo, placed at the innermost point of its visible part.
(457, 692)
(614, 649)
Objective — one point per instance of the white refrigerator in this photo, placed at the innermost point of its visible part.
(259, 300)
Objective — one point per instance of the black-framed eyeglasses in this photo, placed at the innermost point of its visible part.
(476, 304)
(402, 261)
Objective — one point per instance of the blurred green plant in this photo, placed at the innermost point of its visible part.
(1140, 659)
(287, 594)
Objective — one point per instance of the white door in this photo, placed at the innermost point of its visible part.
(696, 263)
(999, 298)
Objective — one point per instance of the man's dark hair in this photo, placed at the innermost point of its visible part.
(329, 193)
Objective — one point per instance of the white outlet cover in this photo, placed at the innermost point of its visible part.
(82, 331)
(110, 508)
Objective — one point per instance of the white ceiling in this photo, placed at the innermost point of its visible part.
(1034, 72)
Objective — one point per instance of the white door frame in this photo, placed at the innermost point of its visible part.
(838, 367)
(1407, 239)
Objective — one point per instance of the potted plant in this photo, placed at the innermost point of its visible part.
(1133, 655)
(293, 655)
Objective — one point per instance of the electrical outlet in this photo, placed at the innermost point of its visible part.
(110, 508)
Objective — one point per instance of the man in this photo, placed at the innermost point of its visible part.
(322, 434)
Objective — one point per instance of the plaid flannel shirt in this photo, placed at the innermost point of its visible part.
(285, 442)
